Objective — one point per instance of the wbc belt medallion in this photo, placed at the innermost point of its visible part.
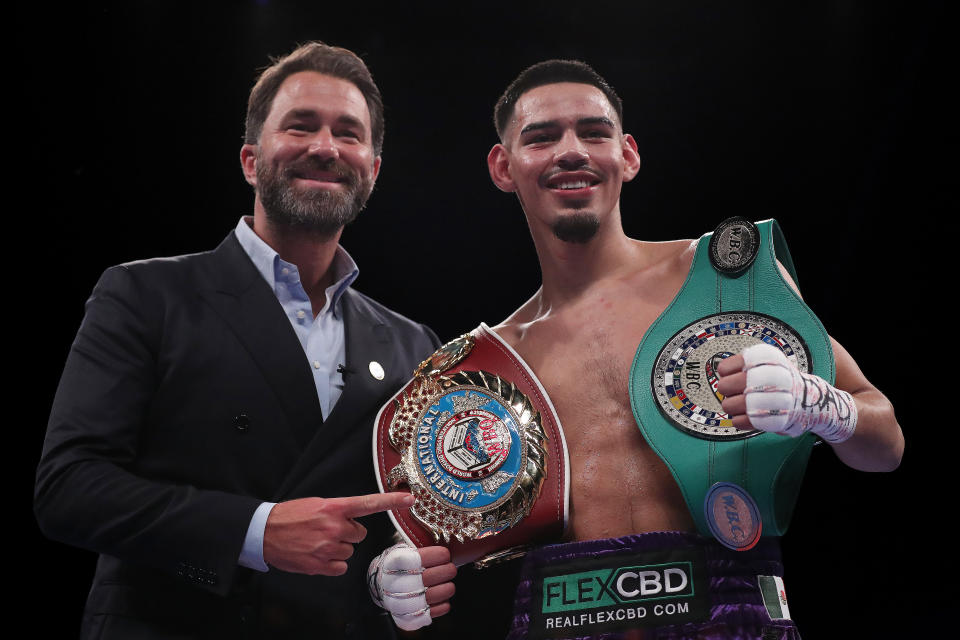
(472, 447)
(684, 378)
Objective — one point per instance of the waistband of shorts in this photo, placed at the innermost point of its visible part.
(763, 559)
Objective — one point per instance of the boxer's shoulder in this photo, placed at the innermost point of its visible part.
(513, 329)
(665, 255)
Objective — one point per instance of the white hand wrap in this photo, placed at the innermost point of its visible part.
(395, 580)
(783, 400)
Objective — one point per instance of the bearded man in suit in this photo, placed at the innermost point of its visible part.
(210, 434)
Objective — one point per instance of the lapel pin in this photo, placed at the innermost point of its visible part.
(376, 370)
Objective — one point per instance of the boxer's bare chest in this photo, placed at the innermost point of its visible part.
(582, 354)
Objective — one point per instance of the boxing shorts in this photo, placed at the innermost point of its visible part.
(652, 586)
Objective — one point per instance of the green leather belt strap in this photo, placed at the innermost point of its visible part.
(770, 467)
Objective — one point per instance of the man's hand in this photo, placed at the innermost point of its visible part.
(316, 535)
(763, 390)
(414, 585)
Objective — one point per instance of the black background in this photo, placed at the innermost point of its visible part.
(829, 116)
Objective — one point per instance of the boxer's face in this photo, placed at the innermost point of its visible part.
(564, 154)
(314, 165)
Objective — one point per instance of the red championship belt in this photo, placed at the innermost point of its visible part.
(476, 439)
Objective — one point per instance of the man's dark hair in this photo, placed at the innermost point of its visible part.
(321, 58)
(551, 72)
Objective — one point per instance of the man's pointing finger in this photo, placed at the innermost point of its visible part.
(356, 506)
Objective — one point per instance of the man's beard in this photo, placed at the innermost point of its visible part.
(578, 228)
(315, 210)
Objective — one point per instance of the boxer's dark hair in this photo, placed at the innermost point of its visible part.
(321, 58)
(551, 72)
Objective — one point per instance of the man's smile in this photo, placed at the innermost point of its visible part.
(312, 176)
(572, 183)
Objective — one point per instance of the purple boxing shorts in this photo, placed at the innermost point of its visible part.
(653, 586)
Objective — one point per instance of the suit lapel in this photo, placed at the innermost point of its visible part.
(243, 299)
(368, 339)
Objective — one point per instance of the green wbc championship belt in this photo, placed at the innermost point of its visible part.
(736, 483)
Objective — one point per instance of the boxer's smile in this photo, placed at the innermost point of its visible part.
(564, 152)
(572, 184)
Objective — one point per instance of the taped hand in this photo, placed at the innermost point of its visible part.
(414, 585)
(764, 390)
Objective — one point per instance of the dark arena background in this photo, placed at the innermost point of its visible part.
(829, 116)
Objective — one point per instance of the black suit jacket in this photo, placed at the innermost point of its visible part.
(186, 400)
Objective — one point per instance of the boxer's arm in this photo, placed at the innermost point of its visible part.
(865, 436)
(877, 443)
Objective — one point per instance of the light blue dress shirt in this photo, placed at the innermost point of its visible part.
(322, 337)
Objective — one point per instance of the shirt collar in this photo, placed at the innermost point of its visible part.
(270, 265)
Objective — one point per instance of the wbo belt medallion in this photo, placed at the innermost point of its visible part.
(472, 452)
(473, 447)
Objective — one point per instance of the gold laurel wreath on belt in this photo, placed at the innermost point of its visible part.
(440, 518)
